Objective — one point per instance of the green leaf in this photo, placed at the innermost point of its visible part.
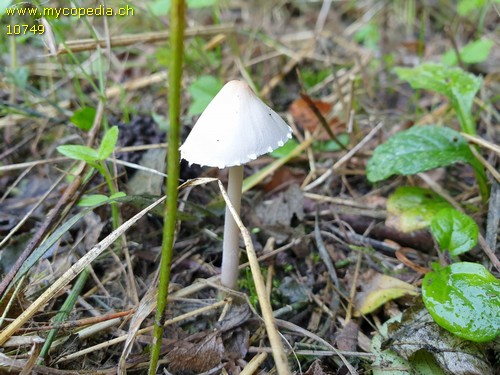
(285, 150)
(464, 298)
(108, 143)
(417, 149)
(330, 145)
(78, 152)
(368, 35)
(83, 118)
(118, 194)
(203, 91)
(472, 53)
(99, 199)
(92, 200)
(457, 85)
(454, 231)
(413, 208)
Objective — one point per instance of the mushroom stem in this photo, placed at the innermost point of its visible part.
(230, 247)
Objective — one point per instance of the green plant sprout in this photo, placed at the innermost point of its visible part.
(97, 160)
(461, 297)
(460, 88)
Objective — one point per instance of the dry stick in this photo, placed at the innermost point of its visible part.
(482, 142)
(493, 216)
(70, 274)
(122, 338)
(126, 40)
(484, 162)
(315, 353)
(30, 164)
(293, 327)
(78, 323)
(254, 364)
(265, 305)
(344, 158)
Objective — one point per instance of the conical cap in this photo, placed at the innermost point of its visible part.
(235, 128)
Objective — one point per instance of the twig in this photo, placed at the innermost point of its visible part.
(265, 305)
(344, 158)
(481, 142)
(122, 338)
(127, 40)
(298, 329)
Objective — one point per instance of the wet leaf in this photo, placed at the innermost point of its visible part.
(381, 289)
(464, 298)
(413, 208)
(454, 231)
(456, 84)
(417, 149)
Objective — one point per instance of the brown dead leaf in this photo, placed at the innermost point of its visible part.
(347, 340)
(196, 358)
(413, 46)
(305, 117)
(282, 178)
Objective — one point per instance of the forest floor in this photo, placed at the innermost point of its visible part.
(349, 234)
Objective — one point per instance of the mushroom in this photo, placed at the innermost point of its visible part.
(235, 128)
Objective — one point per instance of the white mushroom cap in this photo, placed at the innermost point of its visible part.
(236, 127)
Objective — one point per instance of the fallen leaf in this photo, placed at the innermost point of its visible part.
(379, 290)
(305, 117)
(196, 358)
(430, 349)
(283, 177)
(347, 339)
